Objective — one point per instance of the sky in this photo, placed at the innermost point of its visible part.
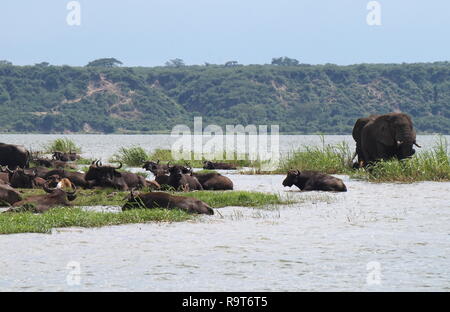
(150, 32)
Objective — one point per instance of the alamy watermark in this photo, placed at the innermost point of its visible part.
(374, 273)
(74, 16)
(374, 16)
(254, 143)
(73, 278)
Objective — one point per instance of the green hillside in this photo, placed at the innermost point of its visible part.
(301, 98)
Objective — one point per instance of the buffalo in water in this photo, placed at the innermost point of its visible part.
(167, 201)
(210, 180)
(41, 203)
(216, 165)
(314, 181)
(14, 156)
(382, 137)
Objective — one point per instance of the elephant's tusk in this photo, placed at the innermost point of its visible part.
(417, 145)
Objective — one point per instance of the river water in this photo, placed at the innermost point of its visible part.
(375, 237)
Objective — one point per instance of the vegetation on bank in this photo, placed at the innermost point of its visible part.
(431, 165)
(300, 98)
(27, 222)
(331, 159)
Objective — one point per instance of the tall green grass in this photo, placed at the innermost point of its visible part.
(61, 145)
(133, 156)
(331, 159)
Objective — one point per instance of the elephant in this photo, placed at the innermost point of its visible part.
(356, 133)
(382, 137)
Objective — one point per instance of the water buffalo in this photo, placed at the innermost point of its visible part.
(21, 178)
(181, 181)
(78, 178)
(65, 156)
(164, 200)
(44, 162)
(161, 177)
(383, 137)
(216, 165)
(314, 181)
(210, 180)
(14, 156)
(55, 197)
(155, 166)
(214, 181)
(108, 176)
(8, 195)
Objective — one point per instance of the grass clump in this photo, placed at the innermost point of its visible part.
(133, 156)
(64, 145)
(11, 223)
(331, 159)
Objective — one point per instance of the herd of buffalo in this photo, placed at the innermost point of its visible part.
(377, 137)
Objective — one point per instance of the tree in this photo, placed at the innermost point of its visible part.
(175, 63)
(5, 62)
(104, 62)
(285, 61)
(231, 64)
(42, 64)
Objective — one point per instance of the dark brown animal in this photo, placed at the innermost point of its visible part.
(167, 201)
(8, 195)
(155, 166)
(180, 181)
(314, 181)
(384, 137)
(42, 203)
(76, 178)
(209, 180)
(108, 176)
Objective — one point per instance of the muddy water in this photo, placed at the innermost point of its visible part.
(375, 237)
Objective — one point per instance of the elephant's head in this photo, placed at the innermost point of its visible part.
(396, 130)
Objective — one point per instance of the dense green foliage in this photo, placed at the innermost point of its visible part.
(300, 98)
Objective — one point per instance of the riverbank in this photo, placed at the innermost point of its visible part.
(27, 222)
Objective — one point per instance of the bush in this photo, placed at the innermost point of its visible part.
(133, 156)
(62, 145)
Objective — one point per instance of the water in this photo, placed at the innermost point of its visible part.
(324, 242)
(104, 146)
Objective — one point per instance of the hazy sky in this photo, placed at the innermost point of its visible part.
(150, 32)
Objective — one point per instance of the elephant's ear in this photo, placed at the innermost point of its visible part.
(384, 131)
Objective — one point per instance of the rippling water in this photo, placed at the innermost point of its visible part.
(324, 242)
